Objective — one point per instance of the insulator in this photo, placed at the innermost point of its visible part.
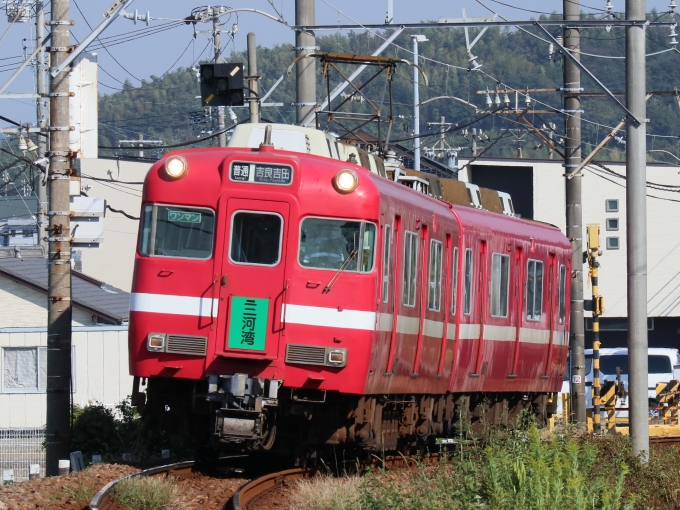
(498, 99)
(527, 100)
(489, 102)
(672, 6)
(506, 100)
(610, 7)
(22, 143)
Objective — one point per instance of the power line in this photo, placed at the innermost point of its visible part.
(105, 48)
(121, 212)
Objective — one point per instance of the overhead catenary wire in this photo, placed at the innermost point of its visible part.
(190, 142)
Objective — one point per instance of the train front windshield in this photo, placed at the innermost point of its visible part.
(328, 244)
(172, 231)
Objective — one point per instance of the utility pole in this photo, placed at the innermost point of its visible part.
(636, 223)
(215, 12)
(252, 72)
(58, 436)
(416, 102)
(305, 42)
(572, 160)
(41, 114)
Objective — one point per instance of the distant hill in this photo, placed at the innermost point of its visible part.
(166, 108)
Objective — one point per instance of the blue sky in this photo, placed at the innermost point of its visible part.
(174, 46)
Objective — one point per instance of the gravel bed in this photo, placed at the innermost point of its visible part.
(67, 492)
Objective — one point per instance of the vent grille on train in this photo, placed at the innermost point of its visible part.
(180, 344)
(305, 354)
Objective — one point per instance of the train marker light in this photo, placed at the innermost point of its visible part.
(176, 167)
(156, 342)
(345, 181)
(336, 357)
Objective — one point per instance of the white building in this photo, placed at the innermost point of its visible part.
(100, 350)
(538, 192)
(119, 182)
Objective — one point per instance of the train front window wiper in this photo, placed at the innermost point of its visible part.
(340, 270)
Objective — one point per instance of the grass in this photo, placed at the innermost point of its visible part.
(84, 491)
(513, 470)
(326, 493)
(144, 493)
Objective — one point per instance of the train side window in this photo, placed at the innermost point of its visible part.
(467, 298)
(410, 268)
(256, 238)
(435, 280)
(534, 290)
(454, 279)
(500, 269)
(563, 293)
(386, 264)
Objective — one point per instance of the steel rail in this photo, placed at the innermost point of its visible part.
(256, 488)
(102, 500)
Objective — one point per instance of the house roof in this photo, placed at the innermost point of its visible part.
(109, 303)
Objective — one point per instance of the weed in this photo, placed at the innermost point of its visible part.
(84, 491)
(143, 493)
(326, 493)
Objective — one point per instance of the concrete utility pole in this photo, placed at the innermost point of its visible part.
(636, 222)
(41, 114)
(252, 72)
(215, 11)
(58, 435)
(572, 147)
(305, 42)
(416, 102)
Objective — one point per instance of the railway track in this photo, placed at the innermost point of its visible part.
(103, 500)
(254, 489)
(257, 488)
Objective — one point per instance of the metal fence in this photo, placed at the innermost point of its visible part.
(19, 448)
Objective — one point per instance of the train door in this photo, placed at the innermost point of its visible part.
(518, 308)
(482, 293)
(253, 277)
(395, 292)
(551, 316)
(422, 299)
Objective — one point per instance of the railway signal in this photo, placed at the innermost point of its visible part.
(222, 84)
(593, 238)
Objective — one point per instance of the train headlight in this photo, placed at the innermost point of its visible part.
(345, 181)
(156, 342)
(176, 167)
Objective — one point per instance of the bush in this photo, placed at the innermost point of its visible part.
(509, 471)
(98, 429)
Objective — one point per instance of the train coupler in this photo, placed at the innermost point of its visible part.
(247, 408)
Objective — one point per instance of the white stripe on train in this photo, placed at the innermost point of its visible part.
(345, 319)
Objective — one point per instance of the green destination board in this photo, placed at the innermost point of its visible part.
(248, 323)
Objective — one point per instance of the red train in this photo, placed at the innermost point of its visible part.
(286, 300)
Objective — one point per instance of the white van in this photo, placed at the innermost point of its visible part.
(663, 363)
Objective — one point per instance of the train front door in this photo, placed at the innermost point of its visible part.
(252, 282)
